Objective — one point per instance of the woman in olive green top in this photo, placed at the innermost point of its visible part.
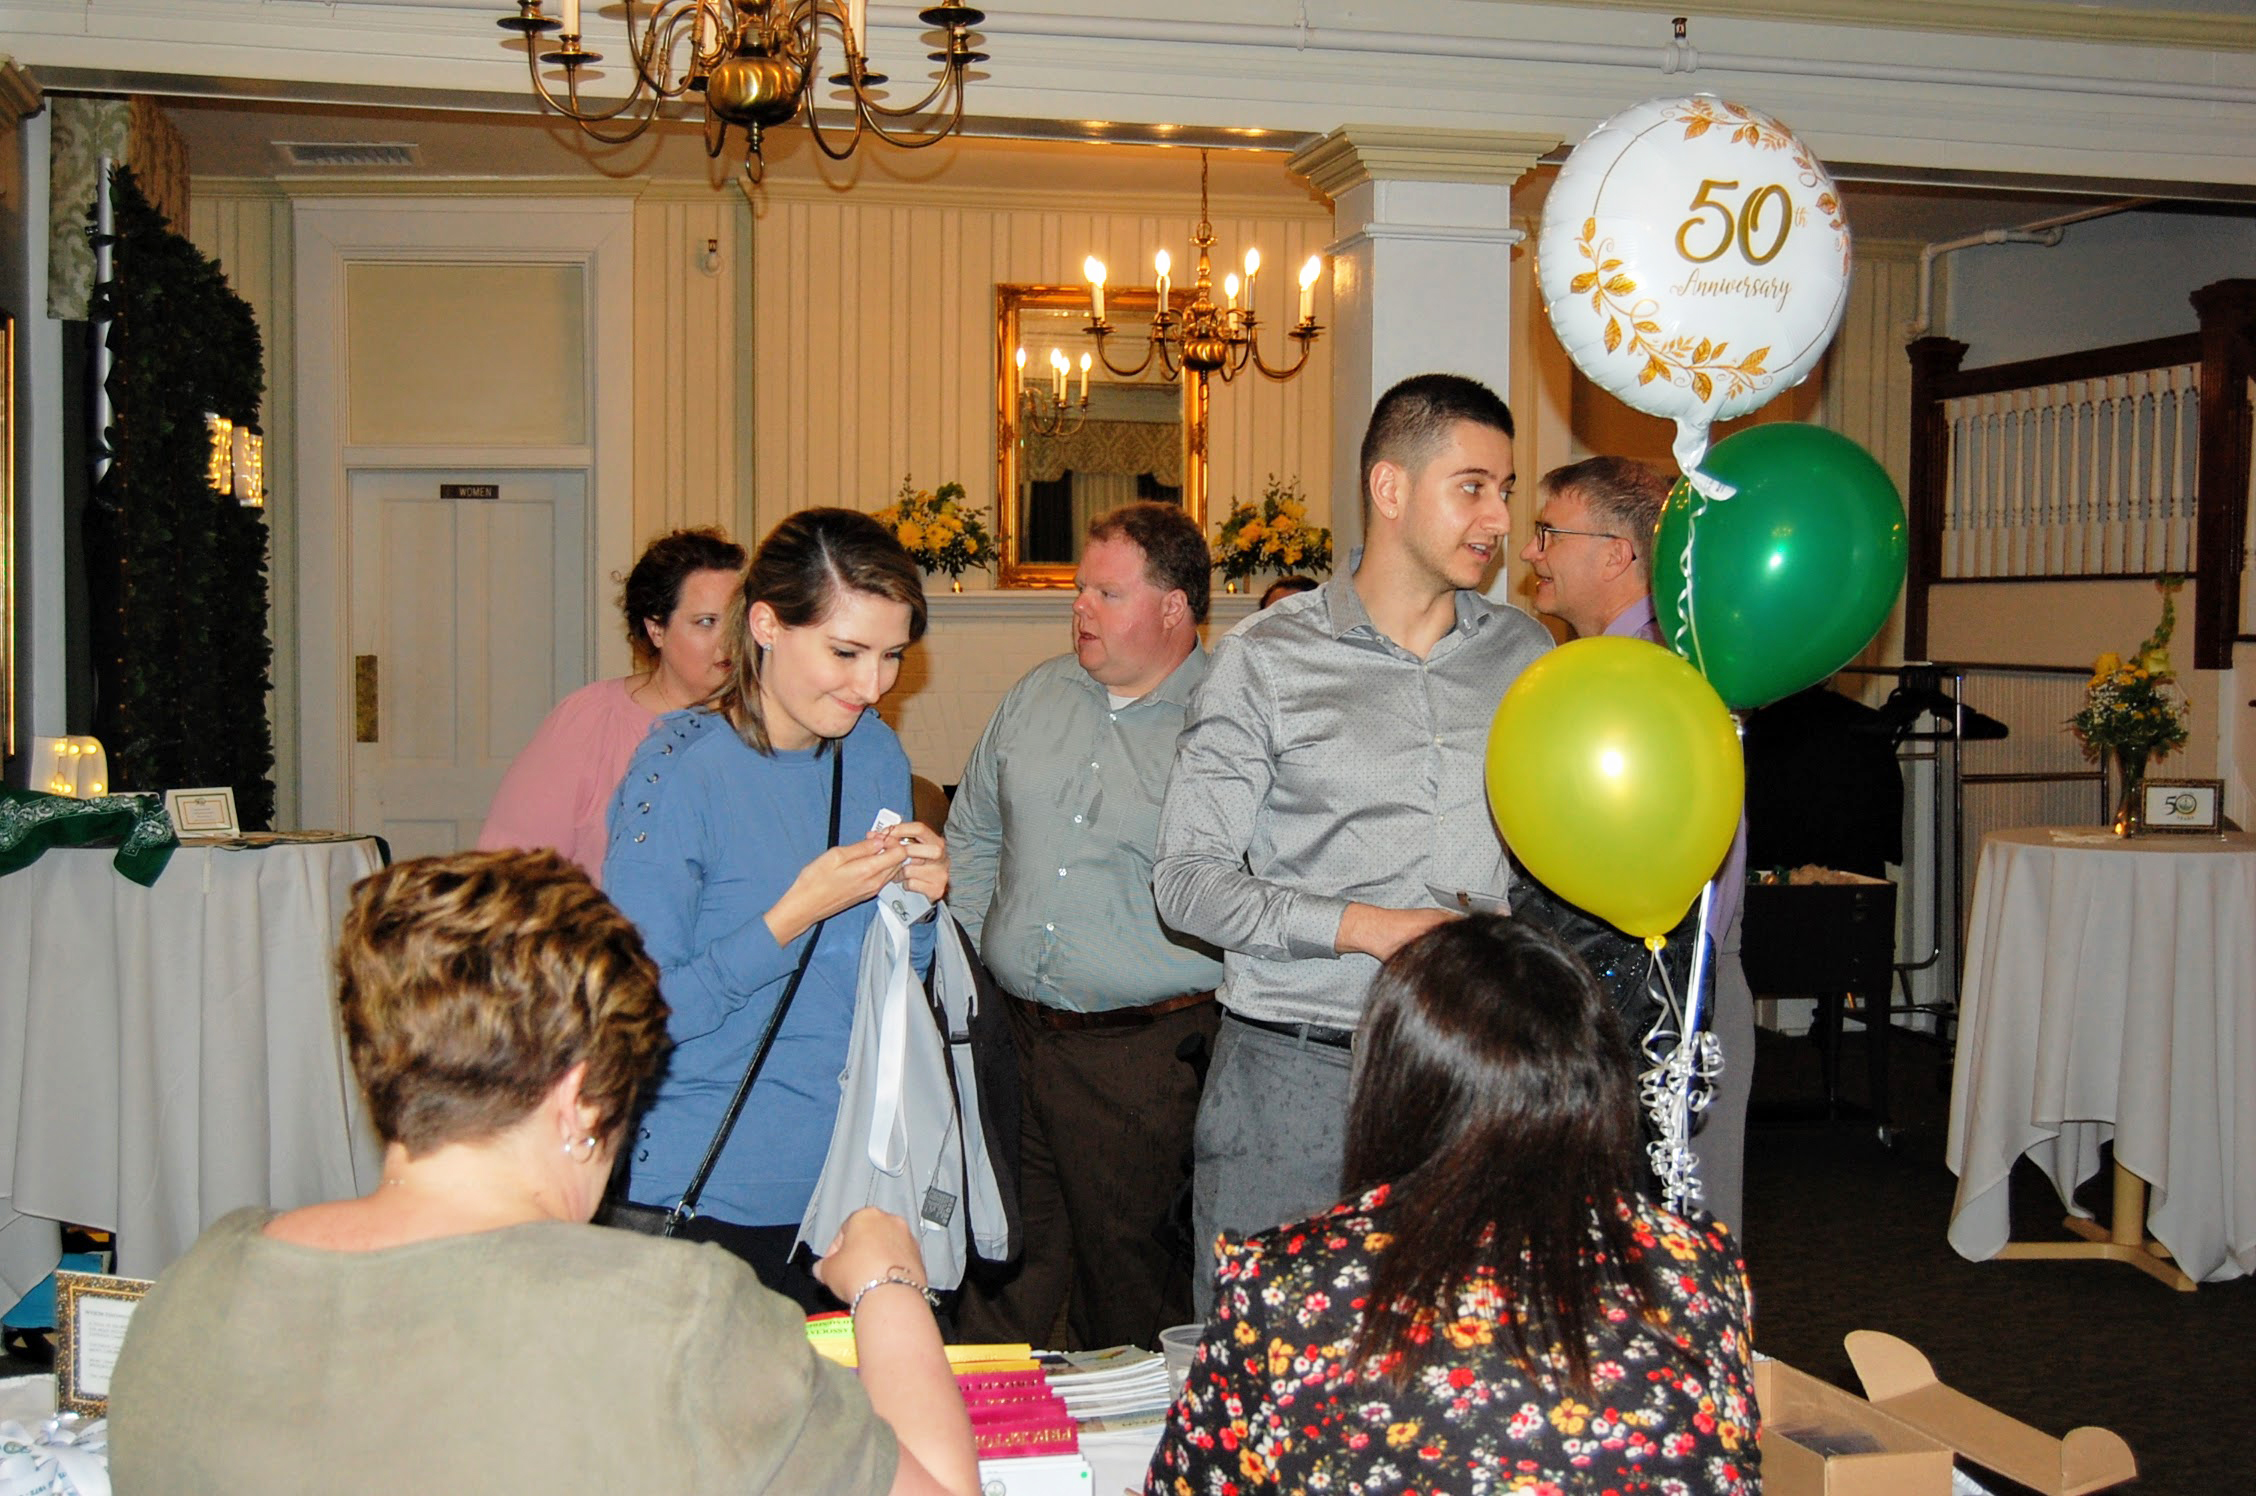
(461, 1326)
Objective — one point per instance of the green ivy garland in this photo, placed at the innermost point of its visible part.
(176, 570)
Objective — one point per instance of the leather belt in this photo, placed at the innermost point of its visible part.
(1311, 1033)
(1061, 1018)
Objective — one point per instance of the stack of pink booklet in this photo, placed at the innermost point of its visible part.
(1016, 1413)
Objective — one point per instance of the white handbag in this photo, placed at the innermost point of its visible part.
(908, 1138)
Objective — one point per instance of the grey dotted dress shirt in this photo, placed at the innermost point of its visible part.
(1324, 764)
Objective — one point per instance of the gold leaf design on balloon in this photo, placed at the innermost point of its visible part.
(1696, 362)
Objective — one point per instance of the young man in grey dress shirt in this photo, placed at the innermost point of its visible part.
(1050, 842)
(1329, 782)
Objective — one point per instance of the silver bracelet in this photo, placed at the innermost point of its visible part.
(900, 1275)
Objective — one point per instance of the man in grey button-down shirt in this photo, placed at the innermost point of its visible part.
(1330, 779)
(1050, 843)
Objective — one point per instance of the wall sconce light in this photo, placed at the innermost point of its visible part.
(73, 766)
(219, 467)
(248, 467)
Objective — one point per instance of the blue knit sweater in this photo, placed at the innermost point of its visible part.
(706, 835)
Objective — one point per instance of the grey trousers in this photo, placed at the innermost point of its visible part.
(1721, 1143)
(1271, 1131)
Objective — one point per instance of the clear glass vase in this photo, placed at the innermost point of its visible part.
(2130, 806)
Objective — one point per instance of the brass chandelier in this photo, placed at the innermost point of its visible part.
(1056, 414)
(754, 62)
(1206, 339)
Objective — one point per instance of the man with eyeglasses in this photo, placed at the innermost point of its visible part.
(1592, 559)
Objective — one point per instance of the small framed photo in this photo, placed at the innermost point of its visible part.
(202, 813)
(91, 1313)
(2184, 805)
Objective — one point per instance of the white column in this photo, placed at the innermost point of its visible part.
(1421, 274)
(40, 411)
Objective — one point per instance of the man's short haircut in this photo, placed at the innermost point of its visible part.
(1175, 554)
(1414, 418)
(1625, 497)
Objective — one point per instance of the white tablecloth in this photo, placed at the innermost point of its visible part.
(168, 1054)
(2111, 991)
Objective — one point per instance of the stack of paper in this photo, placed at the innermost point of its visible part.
(1121, 1387)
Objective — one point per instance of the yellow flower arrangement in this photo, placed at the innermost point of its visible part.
(936, 530)
(1273, 535)
(2128, 703)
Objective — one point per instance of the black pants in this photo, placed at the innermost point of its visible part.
(1105, 1120)
(767, 1250)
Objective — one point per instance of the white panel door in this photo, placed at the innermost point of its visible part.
(468, 622)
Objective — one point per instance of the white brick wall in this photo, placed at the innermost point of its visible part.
(976, 647)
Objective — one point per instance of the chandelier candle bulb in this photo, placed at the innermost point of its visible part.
(1162, 264)
(1084, 379)
(572, 17)
(1230, 289)
(1094, 269)
(1022, 359)
(857, 25)
(1308, 274)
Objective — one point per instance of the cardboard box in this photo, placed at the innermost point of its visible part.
(1818, 1440)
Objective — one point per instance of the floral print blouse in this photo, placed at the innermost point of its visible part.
(1272, 1404)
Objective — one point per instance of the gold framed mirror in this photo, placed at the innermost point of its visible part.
(1061, 462)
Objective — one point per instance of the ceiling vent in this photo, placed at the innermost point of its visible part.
(327, 153)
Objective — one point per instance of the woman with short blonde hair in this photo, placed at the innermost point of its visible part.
(461, 1325)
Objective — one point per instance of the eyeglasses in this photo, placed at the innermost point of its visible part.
(1544, 534)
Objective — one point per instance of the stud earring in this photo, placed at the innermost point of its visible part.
(583, 1151)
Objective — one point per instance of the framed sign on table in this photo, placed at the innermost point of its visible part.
(91, 1313)
(2184, 805)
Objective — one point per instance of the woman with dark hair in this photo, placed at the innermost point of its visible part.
(461, 1326)
(558, 790)
(721, 853)
(1494, 1307)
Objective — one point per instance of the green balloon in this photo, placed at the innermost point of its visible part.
(1781, 584)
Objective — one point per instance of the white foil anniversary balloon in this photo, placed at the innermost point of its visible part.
(1695, 262)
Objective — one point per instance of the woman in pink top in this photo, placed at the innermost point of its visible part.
(558, 790)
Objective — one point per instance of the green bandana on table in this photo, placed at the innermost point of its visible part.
(31, 822)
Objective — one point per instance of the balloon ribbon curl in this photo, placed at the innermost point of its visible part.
(1686, 1062)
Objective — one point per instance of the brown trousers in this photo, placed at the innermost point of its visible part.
(1105, 1136)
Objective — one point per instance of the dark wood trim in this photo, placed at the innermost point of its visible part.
(2062, 368)
(2227, 310)
(1934, 360)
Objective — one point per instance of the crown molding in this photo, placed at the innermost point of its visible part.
(20, 97)
(2101, 24)
(1354, 154)
(1161, 204)
(865, 195)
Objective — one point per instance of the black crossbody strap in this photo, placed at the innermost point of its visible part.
(686, 1209)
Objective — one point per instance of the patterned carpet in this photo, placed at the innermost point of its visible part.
(1845, 1234)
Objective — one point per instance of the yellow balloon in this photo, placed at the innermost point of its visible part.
(1615, 775)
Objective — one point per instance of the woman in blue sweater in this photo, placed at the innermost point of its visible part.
(719, 853)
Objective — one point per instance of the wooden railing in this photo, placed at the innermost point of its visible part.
(2124, 461)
